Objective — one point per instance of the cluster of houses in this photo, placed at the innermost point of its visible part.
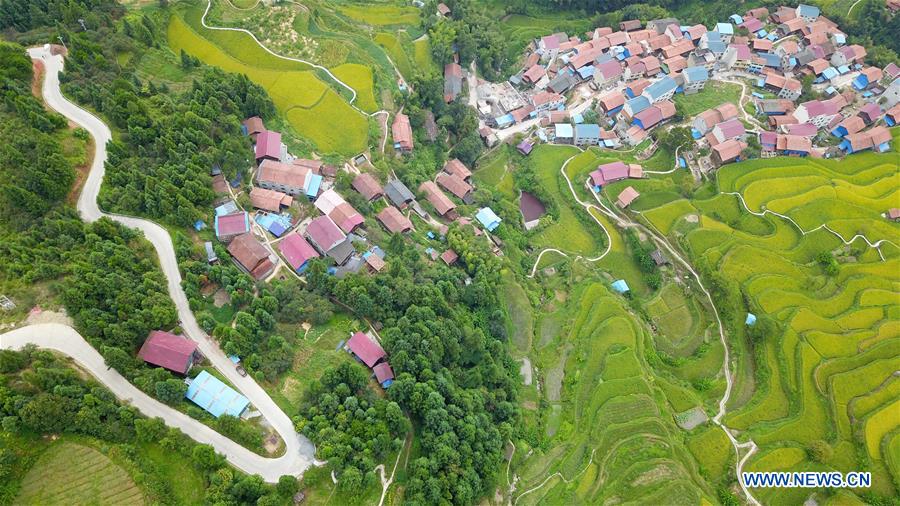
(636, 70)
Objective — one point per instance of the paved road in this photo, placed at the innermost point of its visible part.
(65, 339)
(300, 452)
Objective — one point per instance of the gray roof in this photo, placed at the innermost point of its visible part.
(398, 193)
(341, 251)
(562, 82)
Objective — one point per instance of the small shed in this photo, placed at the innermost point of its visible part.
(620, 286)
(488, 218)
(751, 319)
(659, 258)
(384, 374)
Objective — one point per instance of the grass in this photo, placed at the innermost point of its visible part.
(70, 473)
(315, 111)
(381, 15)
(358, 77)
(422, 54)
(495, 171)
(394, 49)
(568, 233)
(715, 93)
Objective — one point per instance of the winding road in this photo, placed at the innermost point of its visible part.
(299, 451)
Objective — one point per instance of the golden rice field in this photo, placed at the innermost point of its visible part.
(831, 371)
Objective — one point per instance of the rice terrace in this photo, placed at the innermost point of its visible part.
(450, 252)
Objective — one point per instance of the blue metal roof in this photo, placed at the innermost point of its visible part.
(751, 319)
(830, 73)
(843, 69)
(725, 28)
(227, 208)
(488, 218)
(638, 104)
(564, 130)
(589, 130)
(736, 19)
(695, 74)
(312, 189)
(772, 60)
(215, 397)
(840, 38)
(660, 88)
(761, 33)
(577, 118)
(586, 71)
(620, 286)
(506, 119)
(713, 36)
(716, 46)
(807, 11)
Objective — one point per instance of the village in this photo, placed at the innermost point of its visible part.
(627, 77)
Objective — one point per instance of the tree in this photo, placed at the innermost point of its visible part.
(819, 451)
(170, 391)
(287, 486)
(206, 457)
(674, 138)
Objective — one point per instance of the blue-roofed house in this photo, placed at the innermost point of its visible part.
(587, 134)
(726, 30)
(504, 121)
(215, 397)
(620, 286)
(663, 89)
(830, 73)
(762, 33)
(577, 118)
(771, 60)
(636, 105)
(809, 13)
(586, 72)
(313, 182)
(751, 319)
(736, 19)
(228, 207)
(564, 133)
(694, 79)
(488, 218)
(839, 38)
(713, 42)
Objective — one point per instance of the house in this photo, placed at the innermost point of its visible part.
(452, 81)
(545, 101)
(636, 88)
(607, 73)
(760, 13)
(679, 48)
(675, 64)
(654, 115)
(891, 95)
(709, 118)
(587, 134)
(629, 25)
(251, 256)
(328, 239)
(635, 105)
(793, 145)
(800, 129)
(892, 116)
(867, 77)
(726, 130)
(727, 151)
(443, 10)
(786, 87)
(726, 30)
(269, 200)
(525, 147)
(366, 349)
(402, 133)
(849, 126)
(449, 257)
(877, 139)
(614, 171)
(660, 25)
(627, 196)
(817, 66)
(791, 26)
(398, 193)
(635, 135)
(768, 141)
(611, 103)
(739, 57)
(563, 81)
(384, 375)
(659, 258)
(374, 262)
(457, 168)
(455, 185)
(848, 55)
(268, 146)
(229, 226)
(753, 25)
(817, 112)
(291, 179)
(774, 107)
(215, 397)
(346, 217)
(439, 200)
(563, 133)
(870, 113)
(783, 14)
(253, 126)
(620, 286)
(488, 218)
(394, 221)
(169, 351)
(808, 13)
(297, 251)
(367, 186)
(662, 89)
(694, 33)
(893, 213)
(533, 74)
(548, 46)
(694, 79)
(329, 200)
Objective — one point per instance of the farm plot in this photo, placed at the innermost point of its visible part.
(381, 15)
(69, 473)
(314, 110)
(829, 370)
(614, 436)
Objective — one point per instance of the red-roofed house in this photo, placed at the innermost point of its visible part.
(731, 129)
(268, 146)
(366, 349)
(441, 203)
(346, 217)
(297, 251)
(394, 221)
(627, 197)
(367, 186)
(172, 352)
(230, 226)
(253, 126)
(402, 133)
(251, 256)
(727, 151)
(454, 184)
(457, 168)
(384, 375)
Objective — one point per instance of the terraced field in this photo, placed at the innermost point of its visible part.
(69, 473)
(831, 372)
(315, 109)
(610, 430)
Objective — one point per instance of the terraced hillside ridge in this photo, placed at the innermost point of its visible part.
(315, 108)
(611, 434)
(826, 268)
(69, 473)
